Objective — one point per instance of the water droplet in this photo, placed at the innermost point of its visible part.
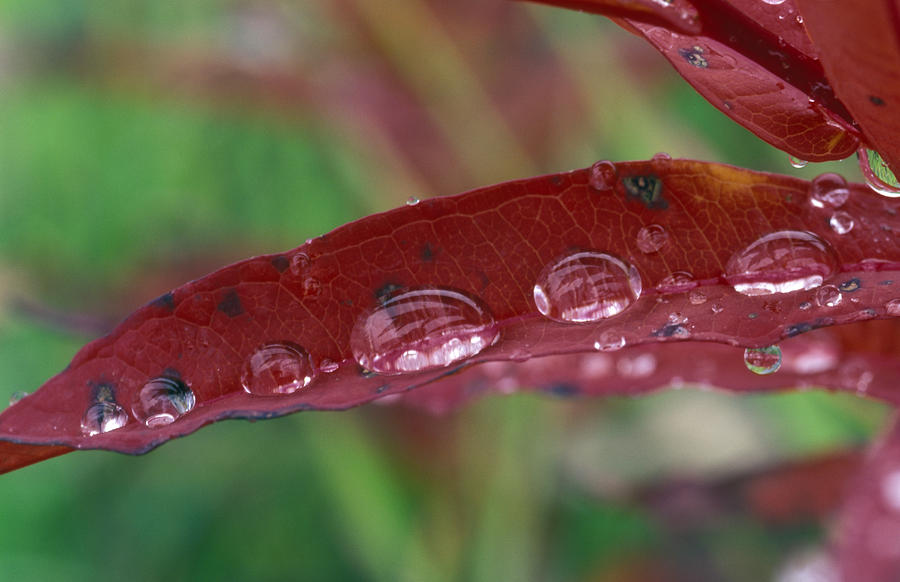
(697, 297)
(797, 162)
(890, 489)
(412, 201)
(299, 263)
(841, 222)
(892, 307)
(311, 287)
(162, 401)
(773, 2)
(717, 308)
(828, 296)
(676, 282)
(103, 417)
(781, 262)
(328, 366)
(828, 190)
(422, 329)
(661, 157)
(652, 238)
(277, 368)
(603, 175)
(609, 342)
(586, 286)
(17, 396)
(763, 360)
(877, 174)
(677, 318)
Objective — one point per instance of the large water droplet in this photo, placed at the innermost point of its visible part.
(603, 175)
(422, 329)
(652, 238)
(877, 174)
(103, 417)
(763, 360)
(841, 222)
(277, 368)
(828, 190)
(586, 286)
(162, 401)
(797, 162)
(828, 296)
(781, 262)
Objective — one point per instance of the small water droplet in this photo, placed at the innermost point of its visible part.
(17, 396)
(877, 174)
(828, 190)
(841, 222)
(328, 366)
(661, 157)
(299, 263)
(277, 368)
(781, 262)
(609, 342)
(892, 307)
(717, 308)
(311, 287)
(799, 19)
(586, 286)
(603, 175)
(677, 281)
(162, 401)
(797, 162)
(651, 238)
(773, 2)
(422, 329)
(763, 360)
(828, 296)
(677, 318)
(103, 417)
(412, 201)
(697, 297)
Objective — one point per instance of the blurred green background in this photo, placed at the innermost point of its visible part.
(143, 143)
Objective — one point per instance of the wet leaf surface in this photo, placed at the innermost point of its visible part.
(420, 293)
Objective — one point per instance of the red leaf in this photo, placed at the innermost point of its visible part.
(478, 256)
(861, 54)
(753, 62)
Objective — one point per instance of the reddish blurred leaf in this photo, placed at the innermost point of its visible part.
(693, 231)
(752, 61)
(861, 54)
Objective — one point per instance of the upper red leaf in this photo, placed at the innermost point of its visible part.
(644, 252)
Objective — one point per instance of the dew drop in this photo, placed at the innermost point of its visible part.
(763, 360)
(697, 297)
(661, 157)
(717, 308)
(103, 417)
(328, 366)
(877, 174)
(586, 286)
(17, 396)
(677, 281)
(299, 263)
(412, 201)
(422, 329)
(797, 162)
(277, 368)
(781, 262)
(651, 238)
(892, 307)
(603, 175)
(828, 296)
(311, 287)
(841, 222)
(609, 342)
(774, 2)
(828, 190)
(162, 401)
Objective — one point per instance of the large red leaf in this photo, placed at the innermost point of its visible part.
(690, 232)
(751, 60)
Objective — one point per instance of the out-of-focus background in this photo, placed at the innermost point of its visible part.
(144, 143)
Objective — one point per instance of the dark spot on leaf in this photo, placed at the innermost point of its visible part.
(694, 56)
(172, 374)
(166, 301)
(556, 180)
(850, 286)
(647, 190)
(381, 388)
(563, 390)
(671, 330)
(231, 304)
(876, 100)
(727, 105)
(798, 328)
(427, 253)
(485, 280)
(102, 391)
(752, 315)
(887, 282)
(281, 263)
(366, 373)
(386, 291)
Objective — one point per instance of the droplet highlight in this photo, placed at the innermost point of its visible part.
(781, 262)
(763, 360)
(585, 286)
(603, 175)
(277, 369)
(102, 417)
(162, 401)
(652, 238)
(828, 191)
(422, 329)
(841, 222)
